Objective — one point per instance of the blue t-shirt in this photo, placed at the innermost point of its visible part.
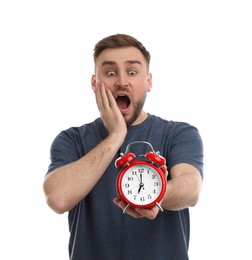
(98, 229)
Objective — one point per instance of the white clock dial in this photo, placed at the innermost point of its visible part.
(141, 184)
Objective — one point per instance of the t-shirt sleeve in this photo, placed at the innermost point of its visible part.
(186, 147)
(63, 151)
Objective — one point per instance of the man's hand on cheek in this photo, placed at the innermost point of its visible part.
(110, 113)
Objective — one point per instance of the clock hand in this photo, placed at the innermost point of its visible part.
(142, 184)
(140, 187)
(138, 178)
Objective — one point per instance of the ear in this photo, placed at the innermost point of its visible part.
(149, 82)
(93, 82)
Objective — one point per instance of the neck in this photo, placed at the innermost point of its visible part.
(141, 118)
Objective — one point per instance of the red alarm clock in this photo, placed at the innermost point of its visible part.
(140, 182)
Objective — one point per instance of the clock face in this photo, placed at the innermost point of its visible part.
(141, 185)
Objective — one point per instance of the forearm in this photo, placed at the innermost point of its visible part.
(67, 185)
(182, 191)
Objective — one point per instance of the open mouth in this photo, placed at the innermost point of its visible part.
(123, 102)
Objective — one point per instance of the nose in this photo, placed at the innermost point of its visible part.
(122, 80)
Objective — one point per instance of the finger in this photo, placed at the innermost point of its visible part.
(98, 96)
(148, 213)
(129, 210)
(104, 97)
(101, 96)
(164, 169)
(111, 99)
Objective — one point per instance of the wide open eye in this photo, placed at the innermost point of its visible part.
(132, 72)
(111, 73)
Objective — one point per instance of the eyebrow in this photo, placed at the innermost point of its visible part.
(107, 62)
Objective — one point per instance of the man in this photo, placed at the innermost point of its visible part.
(82, 175)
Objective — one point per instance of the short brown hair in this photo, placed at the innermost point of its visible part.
(119, 41)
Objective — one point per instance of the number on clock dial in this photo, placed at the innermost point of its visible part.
(141, 184)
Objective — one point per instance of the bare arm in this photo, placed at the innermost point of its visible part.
(67, 185)
(184, 188)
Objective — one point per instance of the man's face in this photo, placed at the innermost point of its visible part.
(124, 71)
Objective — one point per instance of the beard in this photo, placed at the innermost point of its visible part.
(138, 107)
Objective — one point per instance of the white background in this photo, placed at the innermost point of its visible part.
(201, 65)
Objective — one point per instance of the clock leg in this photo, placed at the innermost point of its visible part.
(161, 209)
(125, 209)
